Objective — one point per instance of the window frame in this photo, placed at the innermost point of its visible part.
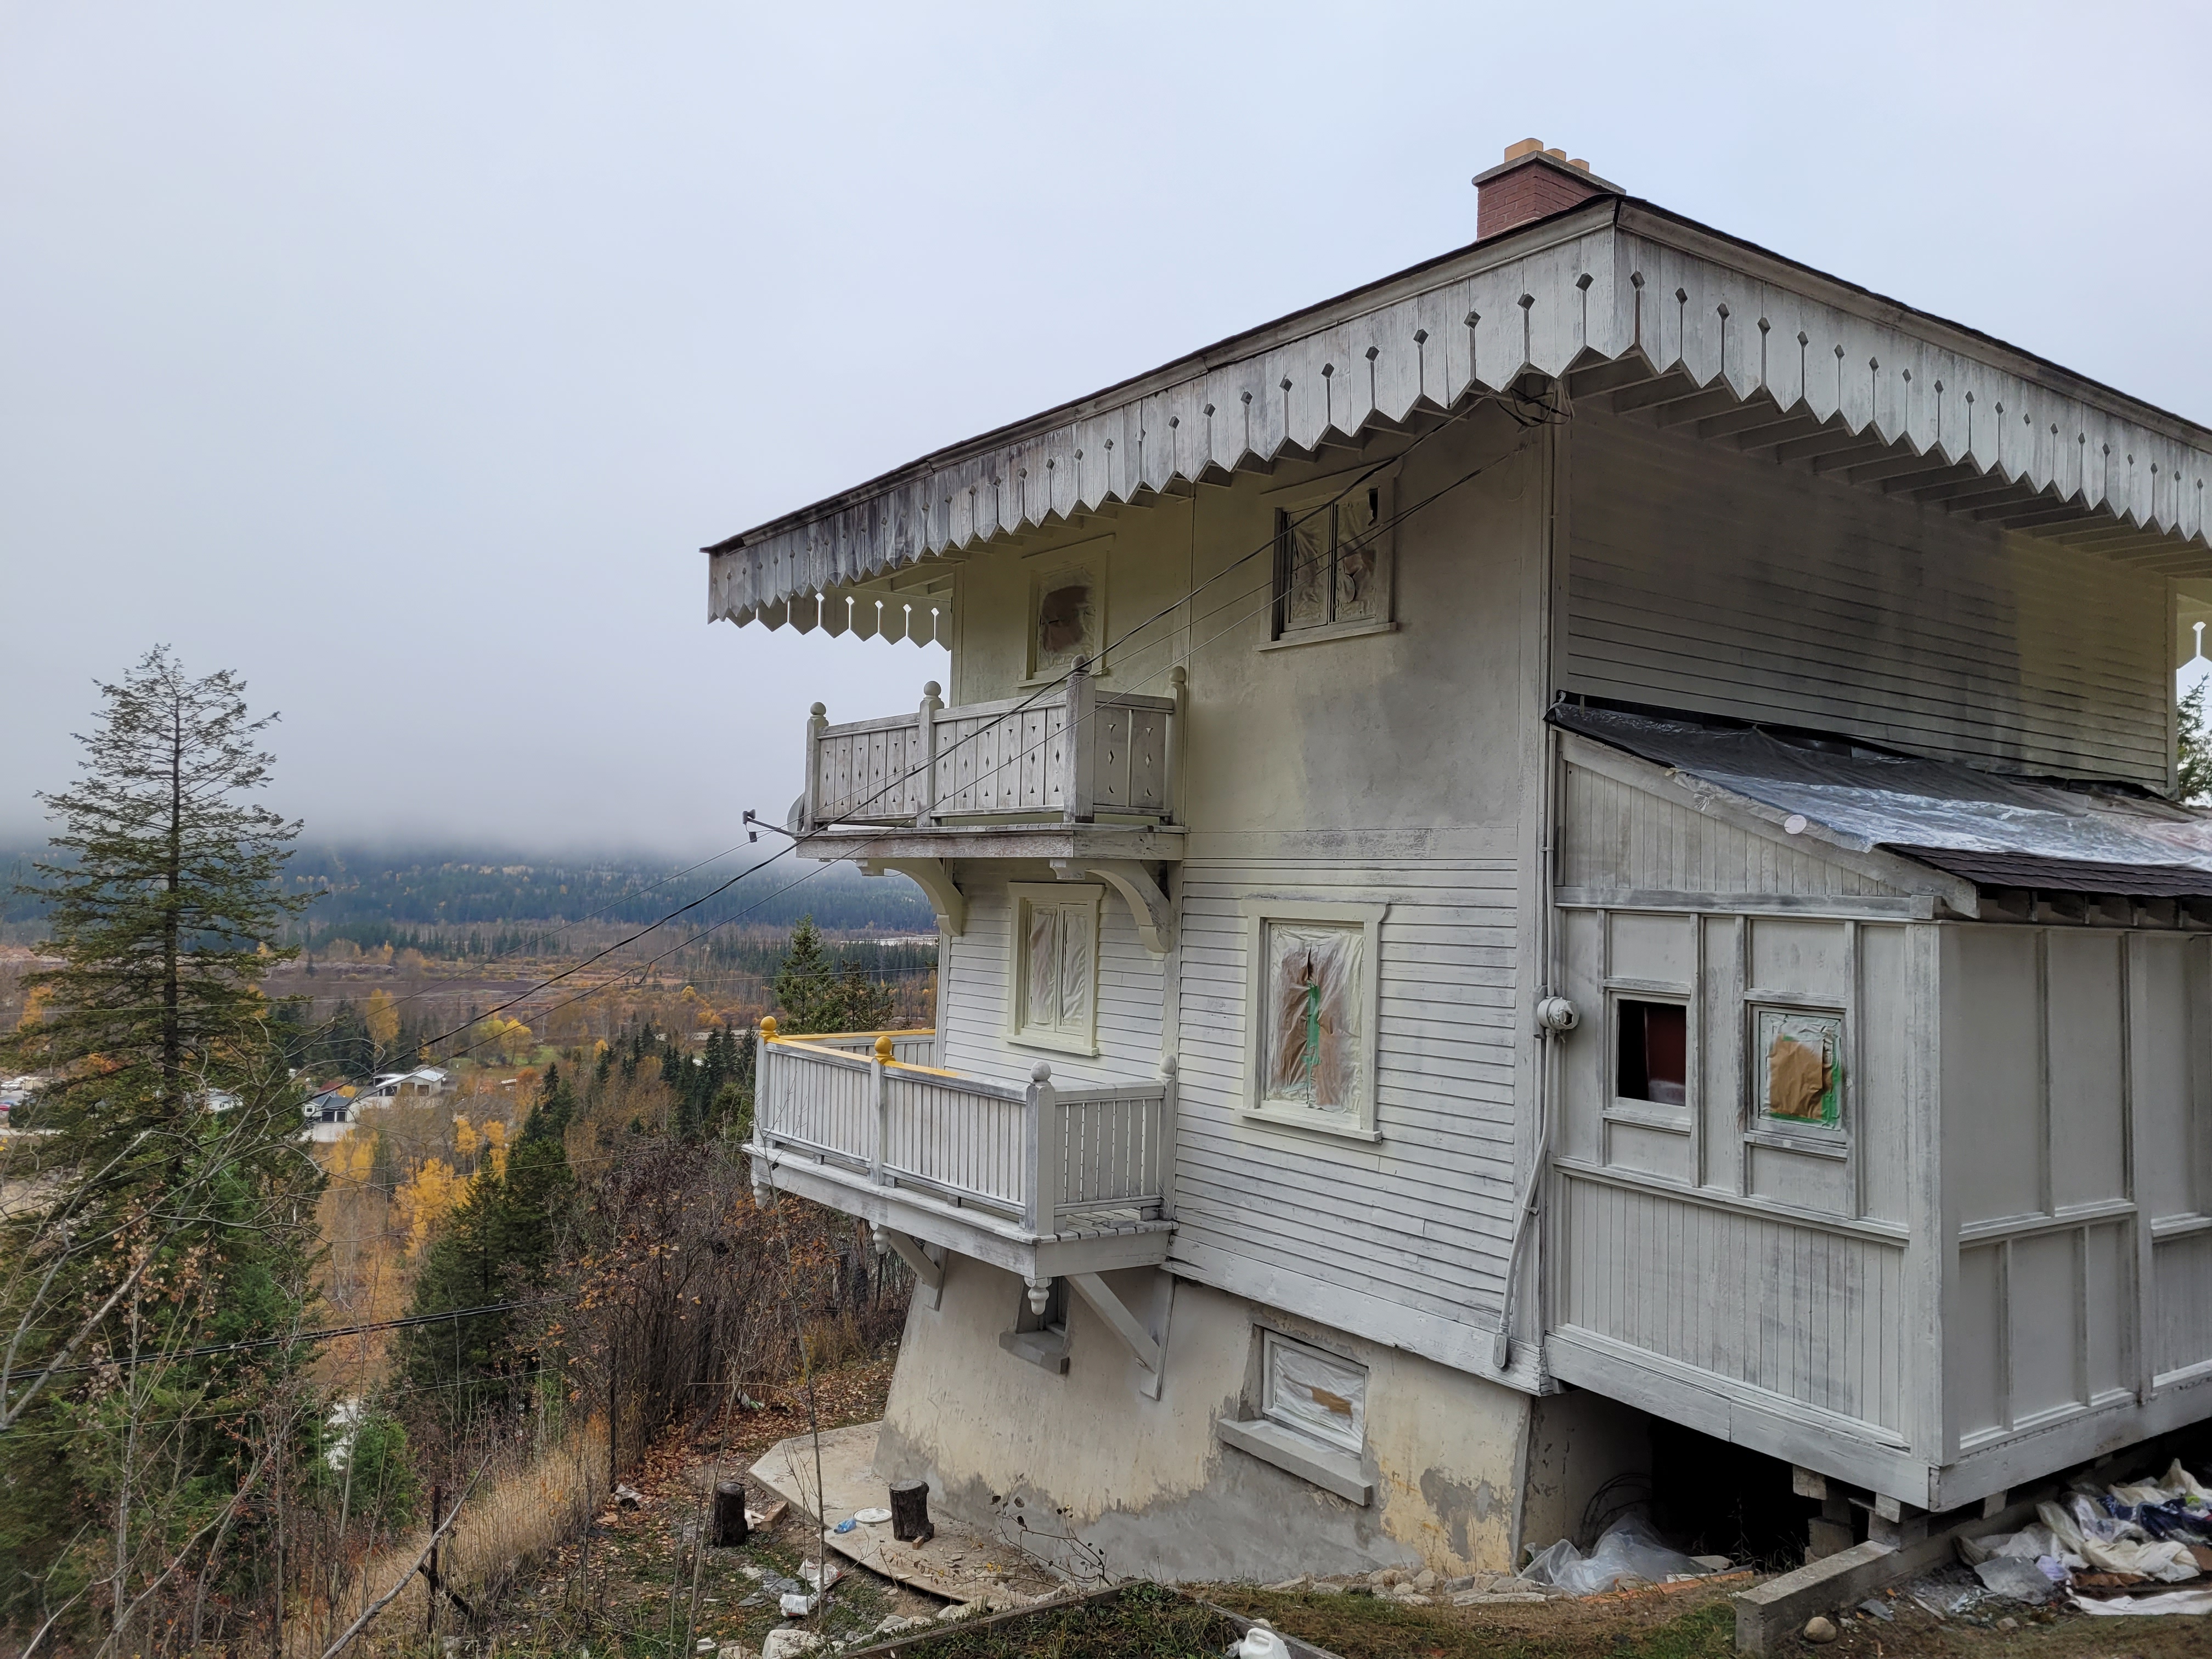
(1651, 1114)
(1298, 500)
(1081, 1038)
(1090, 558)
(1360, 1124)
(1762, 1128)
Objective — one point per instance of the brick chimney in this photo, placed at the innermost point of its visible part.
(1532, 183)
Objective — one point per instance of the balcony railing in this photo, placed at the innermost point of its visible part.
(1054, 1161)
(1070, 754)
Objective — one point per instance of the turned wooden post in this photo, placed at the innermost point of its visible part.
(911, 1522)
(730, 1527)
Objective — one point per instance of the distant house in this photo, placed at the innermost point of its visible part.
(329, 1114)
(391, 1088)
(1580, 837)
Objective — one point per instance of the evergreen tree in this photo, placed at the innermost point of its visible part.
(814, 994)
(181, 1214)
(2193, 775)
(500, 1246)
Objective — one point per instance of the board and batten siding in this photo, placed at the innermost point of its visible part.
(1627, 839)
(1423, 1217)
(1699, 581)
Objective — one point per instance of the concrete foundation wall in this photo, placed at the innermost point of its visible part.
(1139, 1486)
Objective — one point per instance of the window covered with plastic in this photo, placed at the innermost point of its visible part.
(1311, 1054)
(1316, 1394)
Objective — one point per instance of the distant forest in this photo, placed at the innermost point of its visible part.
(452, 906)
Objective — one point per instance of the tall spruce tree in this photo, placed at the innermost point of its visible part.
(181, 1212)
(814, 994)
(499, 1247)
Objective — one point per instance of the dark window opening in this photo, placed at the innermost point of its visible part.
(1655, 1052)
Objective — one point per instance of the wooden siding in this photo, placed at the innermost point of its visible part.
(2182, 1337)
(1807, 1314)
(1616, 837)
(1701, 583)
(973, 989)
(1422, 1217)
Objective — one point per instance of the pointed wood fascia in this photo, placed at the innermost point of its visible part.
(1151, 908)
(934, 879)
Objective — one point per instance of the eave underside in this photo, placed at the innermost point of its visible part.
(1625, 309)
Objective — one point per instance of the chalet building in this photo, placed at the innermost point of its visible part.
(1581, 834)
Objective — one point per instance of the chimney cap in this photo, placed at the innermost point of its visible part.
(1530, 152)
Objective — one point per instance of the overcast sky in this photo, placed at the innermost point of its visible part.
(402, 355)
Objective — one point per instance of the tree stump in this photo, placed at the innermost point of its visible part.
(910, 1523)
(731, 1527)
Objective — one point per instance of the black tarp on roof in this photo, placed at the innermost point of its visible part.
(1996, 830)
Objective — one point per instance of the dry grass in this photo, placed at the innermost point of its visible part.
(516, 1518)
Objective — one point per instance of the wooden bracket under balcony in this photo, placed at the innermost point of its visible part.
(1149, 905)
(934, 879)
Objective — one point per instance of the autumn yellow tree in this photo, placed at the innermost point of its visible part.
(383, 1020)
(426, 1198)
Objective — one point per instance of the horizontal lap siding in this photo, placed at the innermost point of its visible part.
(1705, 582)
(1424, 1219)
(975, 989)
(1813, 1316)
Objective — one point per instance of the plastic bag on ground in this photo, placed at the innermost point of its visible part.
(2013, 1576)
(1629, 1549)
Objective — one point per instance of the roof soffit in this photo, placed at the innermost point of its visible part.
(1610, 282)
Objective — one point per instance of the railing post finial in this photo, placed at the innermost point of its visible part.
(883, 1051)
(767, 1028)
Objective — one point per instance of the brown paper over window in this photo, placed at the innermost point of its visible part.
(1796, 1080)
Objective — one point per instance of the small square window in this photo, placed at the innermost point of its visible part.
(1799, 1057)
(1332, 564)
(1653, 1061)
(1316, 1394)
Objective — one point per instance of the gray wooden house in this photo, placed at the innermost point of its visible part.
(1579, 834)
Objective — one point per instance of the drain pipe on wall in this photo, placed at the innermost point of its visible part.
(1554, 1013)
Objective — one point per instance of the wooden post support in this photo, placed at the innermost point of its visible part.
(430, 1601)
(1078, 748)
(910, 1523)
(730, 1527)
(1042, 1130)
(878, 1071)
(817, 722)
(925, 755)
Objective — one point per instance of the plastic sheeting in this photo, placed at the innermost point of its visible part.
(1629, 1551)
(1863, 798)
(1313, 1014)
(1325, 1396)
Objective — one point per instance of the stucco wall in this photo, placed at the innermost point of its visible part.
(1145, 1487)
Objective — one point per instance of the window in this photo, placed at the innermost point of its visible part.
(1068, 615)
(1312, 1012)
(1654, 1060)
(1333, 565)
(1311, 1416)
(1052, 989)
(1799, 1058)
(1314, 1393)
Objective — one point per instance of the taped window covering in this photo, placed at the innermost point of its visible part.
(1311, 1054)
(1056, 977)
(1800, 1059)
(1328, 563)
(1316, 1394)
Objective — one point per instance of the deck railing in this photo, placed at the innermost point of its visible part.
(1054, 1160)
(1071, 754)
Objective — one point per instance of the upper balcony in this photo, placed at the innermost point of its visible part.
(1065, 763)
